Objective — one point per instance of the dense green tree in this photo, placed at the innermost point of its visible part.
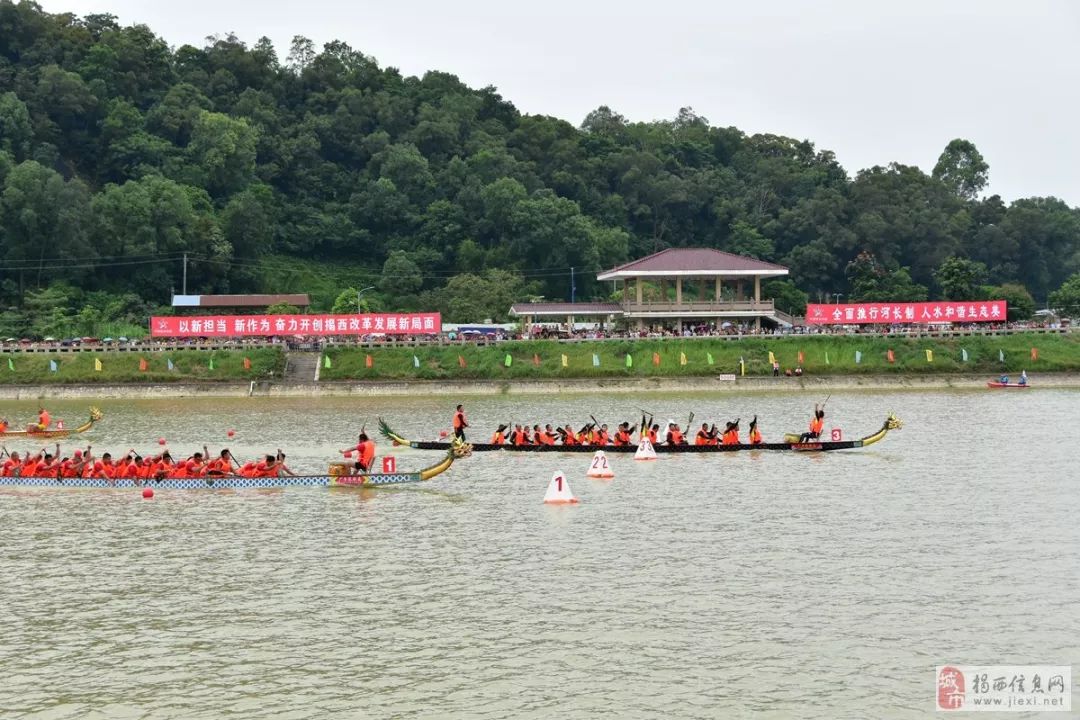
(16, 131)
(1066, 299)
(960, 278)
(962, 169)
(1018, 301)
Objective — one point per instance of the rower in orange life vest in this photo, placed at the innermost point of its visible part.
(731, 433)
(44, 420)
(459, 423)
(365, 451)
(702, 437)
(817, 424)
(755, 433)
(624, 434)
(499, 436)
(675, 435)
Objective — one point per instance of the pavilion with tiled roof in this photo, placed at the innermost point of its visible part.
(709, 286)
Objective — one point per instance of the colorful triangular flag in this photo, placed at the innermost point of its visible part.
(826, 357)
(211, 362)
(565, 360)
(742, 366)
(801, 358)
(891, 356)
(595, 360)
(1034, 353)
(169, 363)
(682, 358)
(1001, 355)
(629, 360)
(460, 361)
(369, 362)
(143, 365)
(97, 364)
(709, 358)
(53, 367)
(929, 355)
(247, 363)
(656, 359)
(326, 362)
(858, 357)
(772, 358)
(508, 360)
(963, 355)
(536, 359)
(11, 364)
(416, 362)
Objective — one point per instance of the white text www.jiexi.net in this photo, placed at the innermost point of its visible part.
(1019, 702)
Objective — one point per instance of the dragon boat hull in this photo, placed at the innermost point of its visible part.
(891, 423)
(95, 415)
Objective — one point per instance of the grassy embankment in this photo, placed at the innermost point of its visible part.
(121, 368)
(1055, 353)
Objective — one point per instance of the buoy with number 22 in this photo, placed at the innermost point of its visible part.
(599, 467)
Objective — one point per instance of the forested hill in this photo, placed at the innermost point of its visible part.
(119, 153)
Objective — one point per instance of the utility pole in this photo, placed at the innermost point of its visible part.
(184, 291)
(573, 287)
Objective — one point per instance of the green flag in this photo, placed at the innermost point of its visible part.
(595, 360)
(709, 358)
(826, 358)
(211, 362)
(11, 365)
(508, 361)
(326, 362)
(629, 360)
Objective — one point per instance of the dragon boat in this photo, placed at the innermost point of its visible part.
(95, 415)
(791, 443)
(336, 477)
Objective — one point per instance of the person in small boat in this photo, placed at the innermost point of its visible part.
(1023, 377)
(584, 436)
(731, 433)
(222, 466)
(654, 433)
(459, 423)
(602, 436)
(817, 424)
(48, 467)
(755, 432)
(1004, 379)
(499, 436)
(566, 435)
(43, 422)
(267, 467)
(544, 436)
(623, 435)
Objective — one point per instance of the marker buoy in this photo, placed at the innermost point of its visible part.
(347, 453)
(231, 433)
(161, 441)
(59, 424)
(558, 491)
(645, 450)
(443, 433)
(148, 493)
(599, 467)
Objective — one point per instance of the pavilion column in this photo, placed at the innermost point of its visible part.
(637, 287)
(678, 290)
(757, 323)
(719, 290)
(738, 290)
(757, 289)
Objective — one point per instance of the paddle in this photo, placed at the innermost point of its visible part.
(690, 421)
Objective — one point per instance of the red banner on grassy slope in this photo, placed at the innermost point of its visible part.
(321, 325)
(898, 313)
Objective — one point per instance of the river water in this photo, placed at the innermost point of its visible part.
(777, 585)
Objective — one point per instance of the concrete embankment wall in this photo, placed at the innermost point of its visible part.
(519, 387)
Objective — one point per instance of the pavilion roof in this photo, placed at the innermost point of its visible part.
(693, 261)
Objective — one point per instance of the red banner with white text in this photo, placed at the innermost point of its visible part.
(310, 325)
(923, 313)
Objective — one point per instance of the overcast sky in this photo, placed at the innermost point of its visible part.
(873, 81)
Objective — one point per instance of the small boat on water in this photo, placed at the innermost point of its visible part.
(996, 385)
(791, 443)
(336, 477)
(95, 415)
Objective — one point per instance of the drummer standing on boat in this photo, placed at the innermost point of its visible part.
(459, 423)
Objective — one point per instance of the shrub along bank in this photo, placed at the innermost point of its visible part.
(127, 367)
(829, 354)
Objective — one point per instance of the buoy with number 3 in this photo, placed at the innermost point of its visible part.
(558, 491)
(645, 450)
(599, 467)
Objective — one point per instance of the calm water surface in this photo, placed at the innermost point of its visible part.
(772, 585)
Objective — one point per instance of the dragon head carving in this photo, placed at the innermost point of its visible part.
(893, 423)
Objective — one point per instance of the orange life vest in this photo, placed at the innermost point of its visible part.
(702, 438)
(755, 437)
(497, 439)
(459, 420)
(817, 425)
(675, 437)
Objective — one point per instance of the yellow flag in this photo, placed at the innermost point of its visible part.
(682, 358)
(929, 356)
(772, 358)
(97, 364)
(565, 361)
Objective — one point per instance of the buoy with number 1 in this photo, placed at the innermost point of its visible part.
(599, 467)
(558, 491)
